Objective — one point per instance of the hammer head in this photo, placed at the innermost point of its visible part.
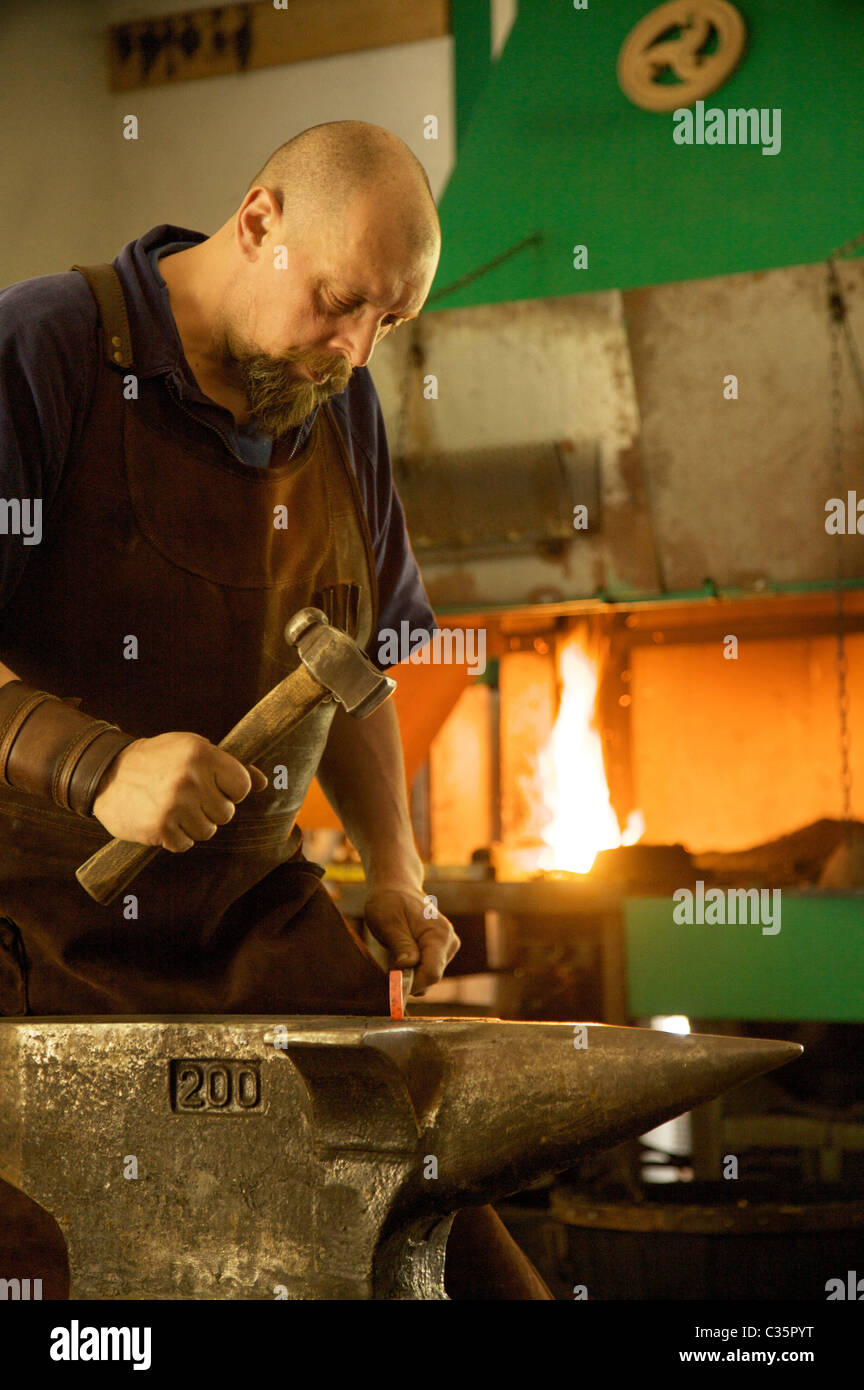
(335, 661)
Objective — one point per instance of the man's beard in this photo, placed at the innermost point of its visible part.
(278, 398)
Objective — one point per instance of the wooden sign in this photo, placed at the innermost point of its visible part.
(236, 38)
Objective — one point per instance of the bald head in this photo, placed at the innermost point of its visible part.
(335, 245)
(328, 168)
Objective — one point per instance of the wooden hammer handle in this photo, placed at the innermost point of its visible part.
(113, 867)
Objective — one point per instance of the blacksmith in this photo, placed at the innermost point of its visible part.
(199, 426)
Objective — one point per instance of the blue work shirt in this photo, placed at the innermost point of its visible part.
(49, 357)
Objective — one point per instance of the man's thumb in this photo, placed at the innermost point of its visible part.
(395, 936)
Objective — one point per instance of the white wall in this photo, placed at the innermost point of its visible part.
(53, 172)
(74, 190)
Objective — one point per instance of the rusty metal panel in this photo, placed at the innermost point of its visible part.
(472, 503)
(512, 377)
(739, 487)
(693, 487)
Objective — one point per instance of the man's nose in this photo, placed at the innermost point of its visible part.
(358, 341)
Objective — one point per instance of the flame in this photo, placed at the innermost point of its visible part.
(572, 775)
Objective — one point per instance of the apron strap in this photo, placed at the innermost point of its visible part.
(108, 293)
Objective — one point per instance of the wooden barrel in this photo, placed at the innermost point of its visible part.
(720, 1240)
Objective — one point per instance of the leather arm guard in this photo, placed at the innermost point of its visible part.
(49, 748)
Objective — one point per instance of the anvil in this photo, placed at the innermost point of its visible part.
(316, 1158)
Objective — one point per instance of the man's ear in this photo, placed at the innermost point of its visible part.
(273, 216)
(259, 213)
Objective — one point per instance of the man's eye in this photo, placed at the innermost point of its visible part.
(337, 307)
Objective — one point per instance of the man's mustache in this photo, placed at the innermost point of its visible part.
(337, 372)
(283, 369)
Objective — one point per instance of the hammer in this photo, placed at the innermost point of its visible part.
(332, 666)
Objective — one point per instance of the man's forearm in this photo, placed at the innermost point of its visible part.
(362, 774)
(50, 748)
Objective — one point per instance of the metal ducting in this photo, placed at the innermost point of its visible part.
(520, 499)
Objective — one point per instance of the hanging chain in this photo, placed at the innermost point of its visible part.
(838, 326)
(845, 252)
(535, 239)
(836, 310)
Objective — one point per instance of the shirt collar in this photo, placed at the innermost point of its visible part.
(155, 339)
(156, 344)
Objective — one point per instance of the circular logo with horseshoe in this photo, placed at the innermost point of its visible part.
(680, 52)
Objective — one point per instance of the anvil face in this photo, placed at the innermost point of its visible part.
(316, 1158)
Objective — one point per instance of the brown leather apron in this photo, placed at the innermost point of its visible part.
(158, 597)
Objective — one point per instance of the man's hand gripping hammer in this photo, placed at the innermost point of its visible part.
(332, 666)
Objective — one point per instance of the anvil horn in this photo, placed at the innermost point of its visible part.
(518, 1101)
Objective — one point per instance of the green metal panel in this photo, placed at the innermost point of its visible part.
(471, 27)
(554, 147)
(813, 968)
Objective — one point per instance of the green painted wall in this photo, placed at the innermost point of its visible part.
(554, 147)
(813, 968)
